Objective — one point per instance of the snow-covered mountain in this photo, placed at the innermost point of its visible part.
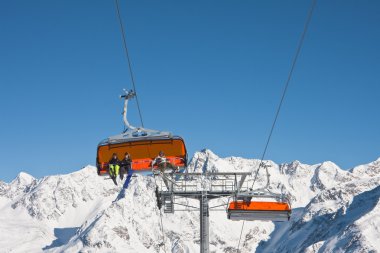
(333, 211)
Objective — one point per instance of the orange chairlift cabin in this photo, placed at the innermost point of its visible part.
(250, 205)
(142, 144)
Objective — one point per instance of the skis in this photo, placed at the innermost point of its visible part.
(165, 177)
(128, 180)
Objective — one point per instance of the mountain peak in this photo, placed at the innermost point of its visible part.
(329, 165)
(207, 152)
(371, 169)
(23, 178)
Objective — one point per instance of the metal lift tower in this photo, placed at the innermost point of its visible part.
(203, 187)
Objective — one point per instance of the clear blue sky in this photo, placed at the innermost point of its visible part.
(211, 71)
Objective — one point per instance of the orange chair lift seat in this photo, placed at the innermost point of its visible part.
(258, 210)
(142, 152)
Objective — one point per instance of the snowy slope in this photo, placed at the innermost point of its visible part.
(34, 212)
(334, 211)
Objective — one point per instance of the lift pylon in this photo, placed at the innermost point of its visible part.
(208, 186)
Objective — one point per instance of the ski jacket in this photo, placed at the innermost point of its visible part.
(159, 160)
(126, 162)
(114, 161)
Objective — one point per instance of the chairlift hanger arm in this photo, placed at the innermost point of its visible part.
(241, 182)
(127, 96)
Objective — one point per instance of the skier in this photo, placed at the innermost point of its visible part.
(163, 163)
(125, 165)
(114, 166)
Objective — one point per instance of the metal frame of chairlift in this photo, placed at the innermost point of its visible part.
(204, 187)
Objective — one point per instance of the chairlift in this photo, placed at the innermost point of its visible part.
(142, 144)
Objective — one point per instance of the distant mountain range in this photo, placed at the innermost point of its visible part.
(333, 211)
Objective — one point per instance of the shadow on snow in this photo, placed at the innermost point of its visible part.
(63, 237)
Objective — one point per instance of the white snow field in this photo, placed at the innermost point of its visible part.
(333, 211)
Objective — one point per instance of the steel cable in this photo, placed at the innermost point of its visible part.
(128, 58)
(299, 47)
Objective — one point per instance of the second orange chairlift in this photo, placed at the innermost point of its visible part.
(250, 205)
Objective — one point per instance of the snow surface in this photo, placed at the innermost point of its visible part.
(333, 211)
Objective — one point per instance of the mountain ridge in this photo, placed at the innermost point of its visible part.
(335, 210)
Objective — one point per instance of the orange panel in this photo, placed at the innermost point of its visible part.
(258, 206)
(143, 164)
(143, 152)
(102, 172)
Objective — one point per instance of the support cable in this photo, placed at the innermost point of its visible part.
(299, 47)
(128, 58)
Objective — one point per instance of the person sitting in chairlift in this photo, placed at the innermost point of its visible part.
(163, 163)
(114, 167)
(125, 165)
